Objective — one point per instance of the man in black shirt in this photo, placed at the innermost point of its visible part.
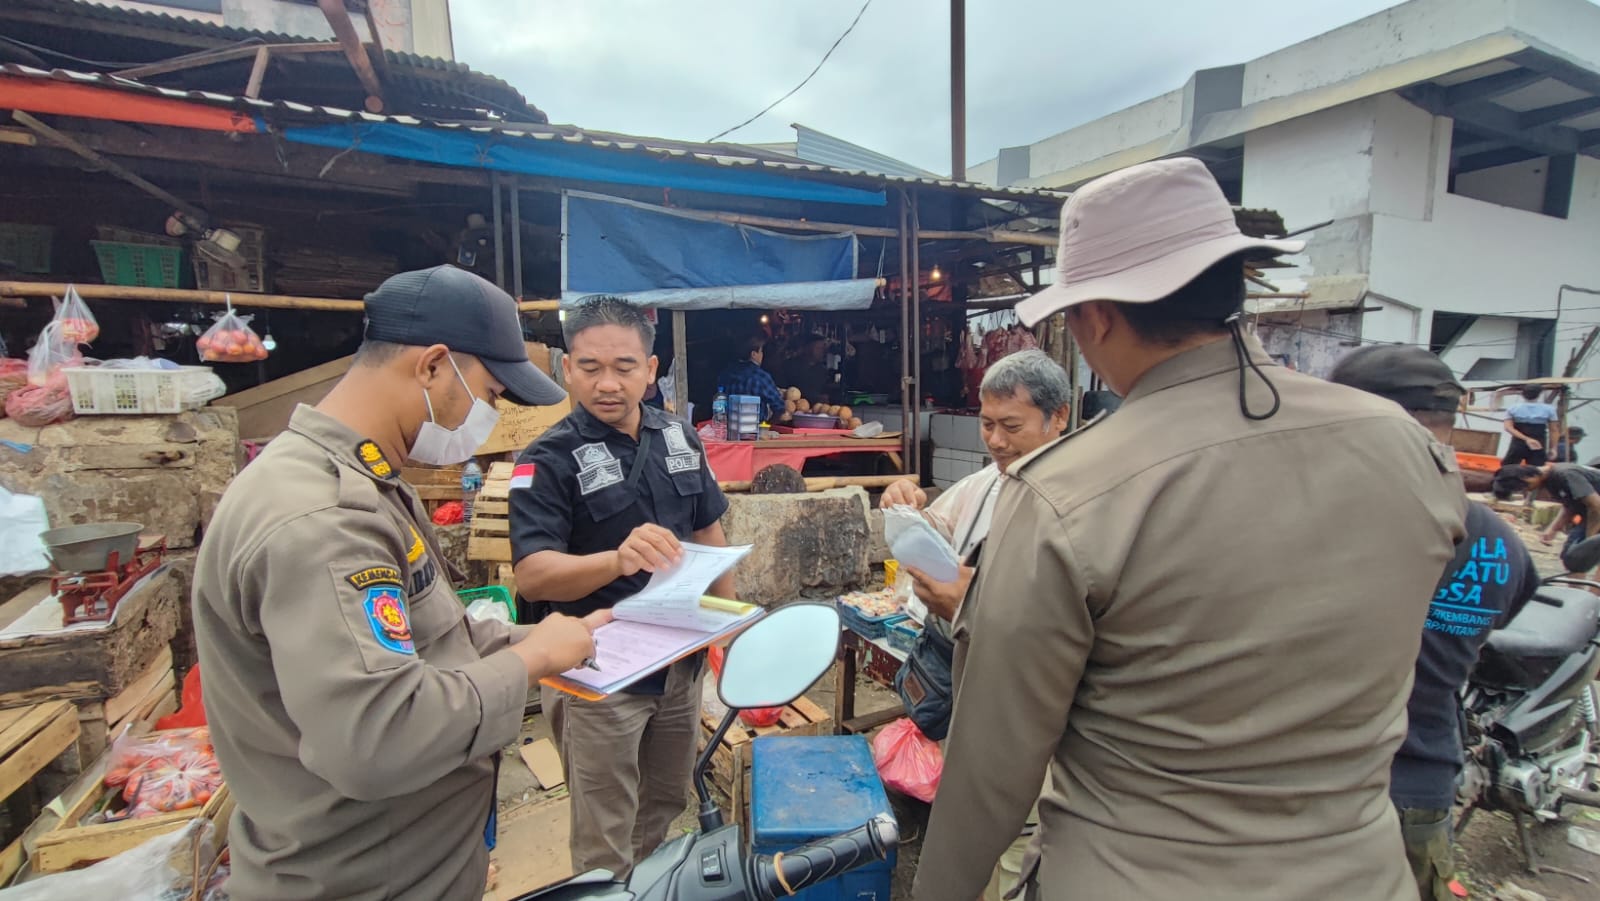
(1578, 490)
(1488, 582)
(598, 503)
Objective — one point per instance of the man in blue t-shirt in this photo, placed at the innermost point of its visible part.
(1529, 426)
(1488, 582)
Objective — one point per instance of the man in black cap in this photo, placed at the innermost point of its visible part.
(357, 712)
(1488, 582)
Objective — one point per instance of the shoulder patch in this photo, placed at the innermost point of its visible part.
(375, 575)
(522, 475)
(386, 613)
(373, 459)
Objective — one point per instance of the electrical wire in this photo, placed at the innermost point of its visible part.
(801, 84)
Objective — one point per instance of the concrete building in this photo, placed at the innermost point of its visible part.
(1450, 146)
(407, 26)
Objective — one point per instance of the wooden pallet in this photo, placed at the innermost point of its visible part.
(32, 739)
(69, 846)
(730, 763)
(489, 537)
(434, 484)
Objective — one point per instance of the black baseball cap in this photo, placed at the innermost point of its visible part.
(469, 315)
(1412, 377)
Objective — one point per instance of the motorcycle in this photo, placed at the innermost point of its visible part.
(770, 664)
(1531, 733)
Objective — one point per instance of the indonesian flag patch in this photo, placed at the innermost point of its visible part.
(522, 476)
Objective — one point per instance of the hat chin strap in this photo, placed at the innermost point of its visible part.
(1237, 336)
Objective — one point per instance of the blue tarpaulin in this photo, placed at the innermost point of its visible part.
(558, 158)
(678, 260)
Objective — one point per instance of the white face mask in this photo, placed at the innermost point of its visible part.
(439, 446)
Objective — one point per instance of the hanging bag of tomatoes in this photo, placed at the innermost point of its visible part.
(74, 322)
(230, 340)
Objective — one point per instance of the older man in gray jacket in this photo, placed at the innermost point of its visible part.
(1202, 613)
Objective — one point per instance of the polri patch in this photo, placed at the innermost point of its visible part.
(375, 575)
(373, 459)
(386, 614)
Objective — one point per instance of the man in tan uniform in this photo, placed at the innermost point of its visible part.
(357, 712)
(1201, 613)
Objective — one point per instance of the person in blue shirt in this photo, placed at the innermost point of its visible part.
(1567, 447)
(1529, 426)
(745, 376)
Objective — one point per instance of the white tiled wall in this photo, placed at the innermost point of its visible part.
(958, 449)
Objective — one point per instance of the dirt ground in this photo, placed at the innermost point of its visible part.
(1489, 856)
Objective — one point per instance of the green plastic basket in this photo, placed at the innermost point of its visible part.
(139, 265)
(26, 248)
(497, 593)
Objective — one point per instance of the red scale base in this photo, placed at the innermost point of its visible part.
(93, 596)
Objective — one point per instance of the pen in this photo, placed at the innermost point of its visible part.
(588, 663)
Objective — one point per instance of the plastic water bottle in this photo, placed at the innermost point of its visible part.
(471, 484)
(719, 415)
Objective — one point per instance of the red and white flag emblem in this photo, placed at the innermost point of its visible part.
(522, 476)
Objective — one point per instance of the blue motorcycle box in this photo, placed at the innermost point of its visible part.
(804, 788)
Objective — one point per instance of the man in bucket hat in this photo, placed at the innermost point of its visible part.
(1202, 613)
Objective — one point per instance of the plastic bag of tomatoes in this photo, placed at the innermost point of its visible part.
(184, 780)
(75, 323)
(230, 340)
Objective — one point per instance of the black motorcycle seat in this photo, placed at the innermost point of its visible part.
(1544, 630)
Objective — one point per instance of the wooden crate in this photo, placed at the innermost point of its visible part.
(68, 846)
(434, 484)
(33, 740)
(489, 535)
(265, 409)
(730, 763)
(152, 696)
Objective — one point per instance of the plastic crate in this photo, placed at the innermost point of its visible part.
(868, 627)
(902, 634)
(139, 265)
(497, 593)
(806, 788)
(25, 248)
(210, 275)
(100, 392)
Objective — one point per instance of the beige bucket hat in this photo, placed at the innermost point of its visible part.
(1141, 233)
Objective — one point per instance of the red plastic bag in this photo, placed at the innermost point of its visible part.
(192, 711)
(755, 717)
(450, 513)
(13, 375)
(76, 323)
(37, 406)
(230, 340)
(908, 761)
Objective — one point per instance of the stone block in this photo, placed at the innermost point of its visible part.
(877, 546)
(805, 545)
(165, 472)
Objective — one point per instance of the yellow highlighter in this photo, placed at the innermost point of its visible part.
(738, 608)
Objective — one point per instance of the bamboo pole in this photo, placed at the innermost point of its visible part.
(996, 236)
(240, 299)
(823, 483)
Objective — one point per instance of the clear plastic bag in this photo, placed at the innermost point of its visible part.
(132, 752)
(916, 543)
(76, 323)
(51, 352)
(909, 762)
(165, 867)
(182, 781)
(231, 340)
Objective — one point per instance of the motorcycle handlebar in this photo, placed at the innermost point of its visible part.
(781, 875)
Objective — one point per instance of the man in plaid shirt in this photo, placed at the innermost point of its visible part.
(747, 377)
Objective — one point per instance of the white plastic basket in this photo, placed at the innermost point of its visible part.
(98, 391)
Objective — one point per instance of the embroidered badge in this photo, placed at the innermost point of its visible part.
(522, 475)
(386, 613)
(598, 477)
(372, 458)
(375, 575)
(422, 577)
(592, 455)
(683, 462)
(677, 445)
(417, 547)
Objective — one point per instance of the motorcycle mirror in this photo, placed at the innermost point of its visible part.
(776, 660)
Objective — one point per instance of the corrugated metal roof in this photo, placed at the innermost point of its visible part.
(727, 155)
(818, 147)
(399, 61)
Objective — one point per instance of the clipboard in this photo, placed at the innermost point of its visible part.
(582, 683)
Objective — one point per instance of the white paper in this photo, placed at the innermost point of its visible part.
(22, 518)
(672, 597)
(916, 543)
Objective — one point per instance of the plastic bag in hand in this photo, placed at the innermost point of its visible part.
(76, 323)
(908, 761)
(915, 542)
(230, 340)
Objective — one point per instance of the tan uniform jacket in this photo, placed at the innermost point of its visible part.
(354, 707)
(1206, 627)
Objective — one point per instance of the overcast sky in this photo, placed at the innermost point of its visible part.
(688, 69)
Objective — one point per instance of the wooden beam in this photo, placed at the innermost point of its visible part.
(345, 30)
(181, 295)
(119, 171)
(824, 483)
(258, 73)
(224, 55)
(18, 136)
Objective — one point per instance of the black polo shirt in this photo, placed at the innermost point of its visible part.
(579, 499)
(1570, 484)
